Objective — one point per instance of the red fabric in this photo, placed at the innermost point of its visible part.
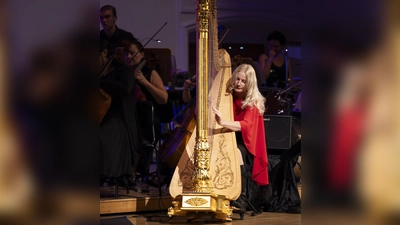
(252, 127)
(347, 131)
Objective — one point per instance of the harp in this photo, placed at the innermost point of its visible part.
(207, 176)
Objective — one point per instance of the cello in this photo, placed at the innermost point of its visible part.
(173, 147)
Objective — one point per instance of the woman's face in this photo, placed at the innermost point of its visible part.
(132, 51)
(275, 46)
(240, 83)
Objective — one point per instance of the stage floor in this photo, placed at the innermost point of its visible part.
(162, 217)
(137, 201)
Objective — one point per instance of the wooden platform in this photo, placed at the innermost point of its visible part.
(135, 201)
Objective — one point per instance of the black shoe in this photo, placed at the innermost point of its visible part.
(294, 210)
(240, 207)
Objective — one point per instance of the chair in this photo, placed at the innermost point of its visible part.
(145, 111)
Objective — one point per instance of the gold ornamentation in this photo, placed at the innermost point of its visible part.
(223, 170)
(203, 14)
(196, 201)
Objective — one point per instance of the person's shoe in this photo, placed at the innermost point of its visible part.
(294, 210)
(240, 207)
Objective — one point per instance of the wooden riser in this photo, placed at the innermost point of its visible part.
(138, 202)
(129, 205)
(134, 201)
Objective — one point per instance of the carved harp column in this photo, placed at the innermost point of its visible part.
(202, 177)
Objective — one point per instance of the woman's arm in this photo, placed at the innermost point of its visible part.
(231, 125)
(186, 96)
(265, 68)
(155, 87)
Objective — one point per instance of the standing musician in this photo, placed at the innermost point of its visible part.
(248, 108)
(120, 140)
(111, 32)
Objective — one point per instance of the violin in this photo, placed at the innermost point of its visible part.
(140, 95)
(149, 62)
(105, 98)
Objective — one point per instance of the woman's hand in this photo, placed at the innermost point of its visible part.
(218, 115)
(262, 58)
(186, 85)
(140, 77)
(272, 54)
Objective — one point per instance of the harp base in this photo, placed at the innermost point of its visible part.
(206, 206)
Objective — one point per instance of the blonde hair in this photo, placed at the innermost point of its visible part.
(253, 96)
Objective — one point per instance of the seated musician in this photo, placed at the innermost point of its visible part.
(151, 88)
(120, 141)
(149, 81)
(273, 65)
(248, 107)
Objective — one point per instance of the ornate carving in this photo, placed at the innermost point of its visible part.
(203, 14)
(196, 201)
(223, 177)
(202, 175)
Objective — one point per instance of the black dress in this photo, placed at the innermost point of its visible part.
(277, 76)
(120, 140)
(163, 113)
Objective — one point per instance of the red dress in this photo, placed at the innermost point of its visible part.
(252, 128)
(347, 133)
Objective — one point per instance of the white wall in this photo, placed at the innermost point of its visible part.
(251, 21)
(40, 24)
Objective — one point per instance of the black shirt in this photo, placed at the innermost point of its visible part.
(116, 39)
(277, 76)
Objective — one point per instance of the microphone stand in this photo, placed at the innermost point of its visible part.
(286, 67)
(286, 101)
(277, 96)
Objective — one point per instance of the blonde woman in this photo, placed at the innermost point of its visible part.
(248, 107)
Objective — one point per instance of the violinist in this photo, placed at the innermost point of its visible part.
(148, 79)
(120, 140)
